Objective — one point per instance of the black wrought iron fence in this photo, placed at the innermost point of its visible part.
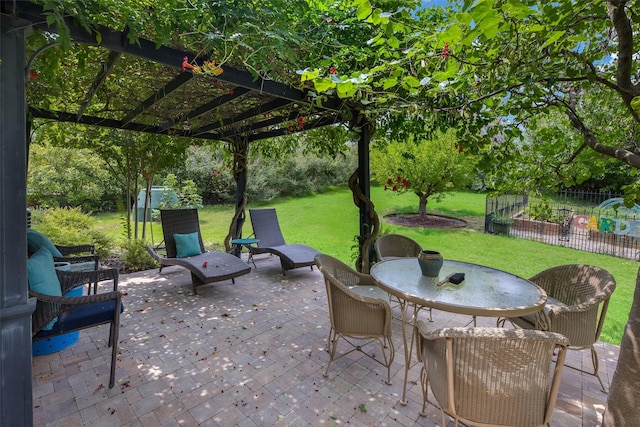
(588, 221)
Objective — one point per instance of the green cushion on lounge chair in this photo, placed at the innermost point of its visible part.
(187, 245)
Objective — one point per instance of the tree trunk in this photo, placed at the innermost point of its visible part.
(147, 205)
(422, 207)
(624, 394)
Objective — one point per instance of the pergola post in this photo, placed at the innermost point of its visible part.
(240, 148)
(364, 183)
(16, 408)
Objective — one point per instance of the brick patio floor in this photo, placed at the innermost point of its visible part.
(249, 354)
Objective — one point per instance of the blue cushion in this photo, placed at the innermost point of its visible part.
(36, 240)
(42, 276)
(81, 317)
(187, 244)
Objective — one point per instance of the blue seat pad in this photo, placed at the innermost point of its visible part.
(81, 317)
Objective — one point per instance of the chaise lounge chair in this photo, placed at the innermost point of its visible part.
(267, 230)
(184, 247)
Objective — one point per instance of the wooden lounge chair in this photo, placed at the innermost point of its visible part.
(491, 376)
(267, 230)
(205, 267)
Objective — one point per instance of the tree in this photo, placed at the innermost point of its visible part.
(129, 157)
(509, 61)
(61, 177)
(428, 167)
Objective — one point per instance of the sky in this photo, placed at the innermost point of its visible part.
(434, 2)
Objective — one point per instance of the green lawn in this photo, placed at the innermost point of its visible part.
(329, 222)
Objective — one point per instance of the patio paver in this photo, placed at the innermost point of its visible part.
(249, 354)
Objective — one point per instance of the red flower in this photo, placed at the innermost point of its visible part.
(33, 75)
(290, 128)
(389, 181)
(445, 50)
(185, 64)
(300, 123)
(395, 188)
(333, 70)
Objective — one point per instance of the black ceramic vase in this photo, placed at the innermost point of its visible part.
(430, 262)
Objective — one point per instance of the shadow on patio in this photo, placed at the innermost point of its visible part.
(249, 354)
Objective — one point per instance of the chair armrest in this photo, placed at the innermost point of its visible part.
(49, 307)
(72, 279)
(76, 249)
(75, 301)
(585, 306)
(365, 279)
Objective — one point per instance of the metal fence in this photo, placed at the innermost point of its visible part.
(588, 221)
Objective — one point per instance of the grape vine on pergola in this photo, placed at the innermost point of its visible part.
(173, 92)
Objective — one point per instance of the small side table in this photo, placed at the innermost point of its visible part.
(247, 243)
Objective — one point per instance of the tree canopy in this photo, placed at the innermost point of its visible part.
(499, 64)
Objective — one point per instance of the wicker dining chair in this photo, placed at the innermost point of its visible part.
(358, 310)
(390, 246)
(577, 300)
(491, 376)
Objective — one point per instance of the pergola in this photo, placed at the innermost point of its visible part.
(175, 93)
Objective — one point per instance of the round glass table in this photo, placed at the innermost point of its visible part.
(484, 291)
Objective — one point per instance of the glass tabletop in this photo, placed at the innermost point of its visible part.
(485, 291)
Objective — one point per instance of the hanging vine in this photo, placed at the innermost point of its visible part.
(366, 239)
(240, 149)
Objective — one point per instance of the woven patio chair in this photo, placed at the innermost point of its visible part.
(184, 247)
(577, 300)
(390, 246)
(56, 314)
(266, 229)
(358, 310)
(491, 376)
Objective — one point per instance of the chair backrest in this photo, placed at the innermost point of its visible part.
(586, 290)
(338, 270)
(396, 246)
(179, 221)
(494, 376)
(350, 313)
(266, 227)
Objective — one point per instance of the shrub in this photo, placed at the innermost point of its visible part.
(300, 174)
(59, 177)
(186, 192)
(70, 226)
(135, 256)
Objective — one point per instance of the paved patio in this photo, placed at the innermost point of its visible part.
(249, 354)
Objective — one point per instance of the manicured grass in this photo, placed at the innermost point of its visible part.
(329, 222)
